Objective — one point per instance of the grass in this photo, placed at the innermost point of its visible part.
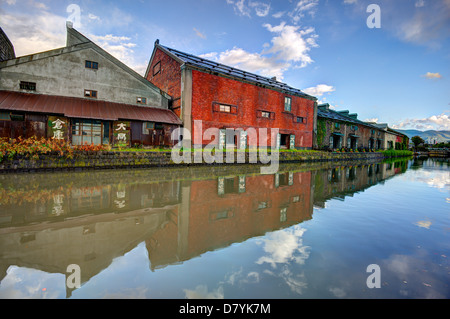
(397, 153)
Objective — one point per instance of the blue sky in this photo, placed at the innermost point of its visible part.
(397, 74)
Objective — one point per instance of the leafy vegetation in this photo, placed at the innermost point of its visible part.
(397, 153)
(33, 147)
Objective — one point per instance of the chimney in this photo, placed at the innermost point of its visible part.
(324, 107)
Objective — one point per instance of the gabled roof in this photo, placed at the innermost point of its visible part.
(196, 62)
(75, 42)
(325, 112)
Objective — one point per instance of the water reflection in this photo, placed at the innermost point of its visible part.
(49, 221)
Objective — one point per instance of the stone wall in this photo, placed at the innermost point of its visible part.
(128, 160)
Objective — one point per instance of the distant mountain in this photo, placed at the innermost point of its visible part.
(428, 136)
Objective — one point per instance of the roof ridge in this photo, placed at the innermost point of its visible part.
(229, 70)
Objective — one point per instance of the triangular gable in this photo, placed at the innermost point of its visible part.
(75, 42)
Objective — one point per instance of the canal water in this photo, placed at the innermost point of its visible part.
(329, 230)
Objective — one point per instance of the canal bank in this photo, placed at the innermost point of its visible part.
(97, 160)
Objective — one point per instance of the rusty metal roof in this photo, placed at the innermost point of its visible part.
(84, 108)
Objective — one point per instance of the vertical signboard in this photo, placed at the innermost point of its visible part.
(243, 140)
(121, 133)
(292, 142)
(58, 127)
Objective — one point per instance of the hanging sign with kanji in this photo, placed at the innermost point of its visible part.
(121, 133)
(58, 127)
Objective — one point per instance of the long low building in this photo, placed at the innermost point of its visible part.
(343, 130)
(82, 94)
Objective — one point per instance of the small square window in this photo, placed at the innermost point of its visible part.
(90, 93)
(337, 125)
(5, 116)
(225, 108)
(141, 100)
(91, 65)
(147, 126)
(300, 119)
(265, 114)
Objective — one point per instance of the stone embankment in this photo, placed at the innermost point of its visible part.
(132, 159)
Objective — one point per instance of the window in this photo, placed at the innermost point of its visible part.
(300, 119)
(30, 86)
(147, 126)
(265, 114)
(91, 65)
(141, 100)
(90, 93)
(337, 125)
(5, 116)
(17, 117)
(90, 132)
(224, 108)
(354, 127)
(287, 104)
(157, 68)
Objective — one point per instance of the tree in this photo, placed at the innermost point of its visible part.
(417, 140)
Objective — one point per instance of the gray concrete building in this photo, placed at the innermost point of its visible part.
(83, 94)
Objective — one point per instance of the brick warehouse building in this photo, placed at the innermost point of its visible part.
(223, 97)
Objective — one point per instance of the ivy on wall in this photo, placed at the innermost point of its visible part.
(321, 131)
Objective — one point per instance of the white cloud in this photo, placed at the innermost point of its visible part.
(319, 90)
(435, 122)
(290, 48)
(242, 8)
(420, 3)
(201, 292)
(284, 246)
(261, 9)
(430, 75)
(251, 62)
(350, 1)
(34, 32)
(292, 43)
(279, 14)
(37, 30)
(428, 24)
(372, 120)
(304, 7)
(121, 48)
(94, 17)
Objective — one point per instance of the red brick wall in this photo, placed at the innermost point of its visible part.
(168, 79)
(248, 99)
(244, 221)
